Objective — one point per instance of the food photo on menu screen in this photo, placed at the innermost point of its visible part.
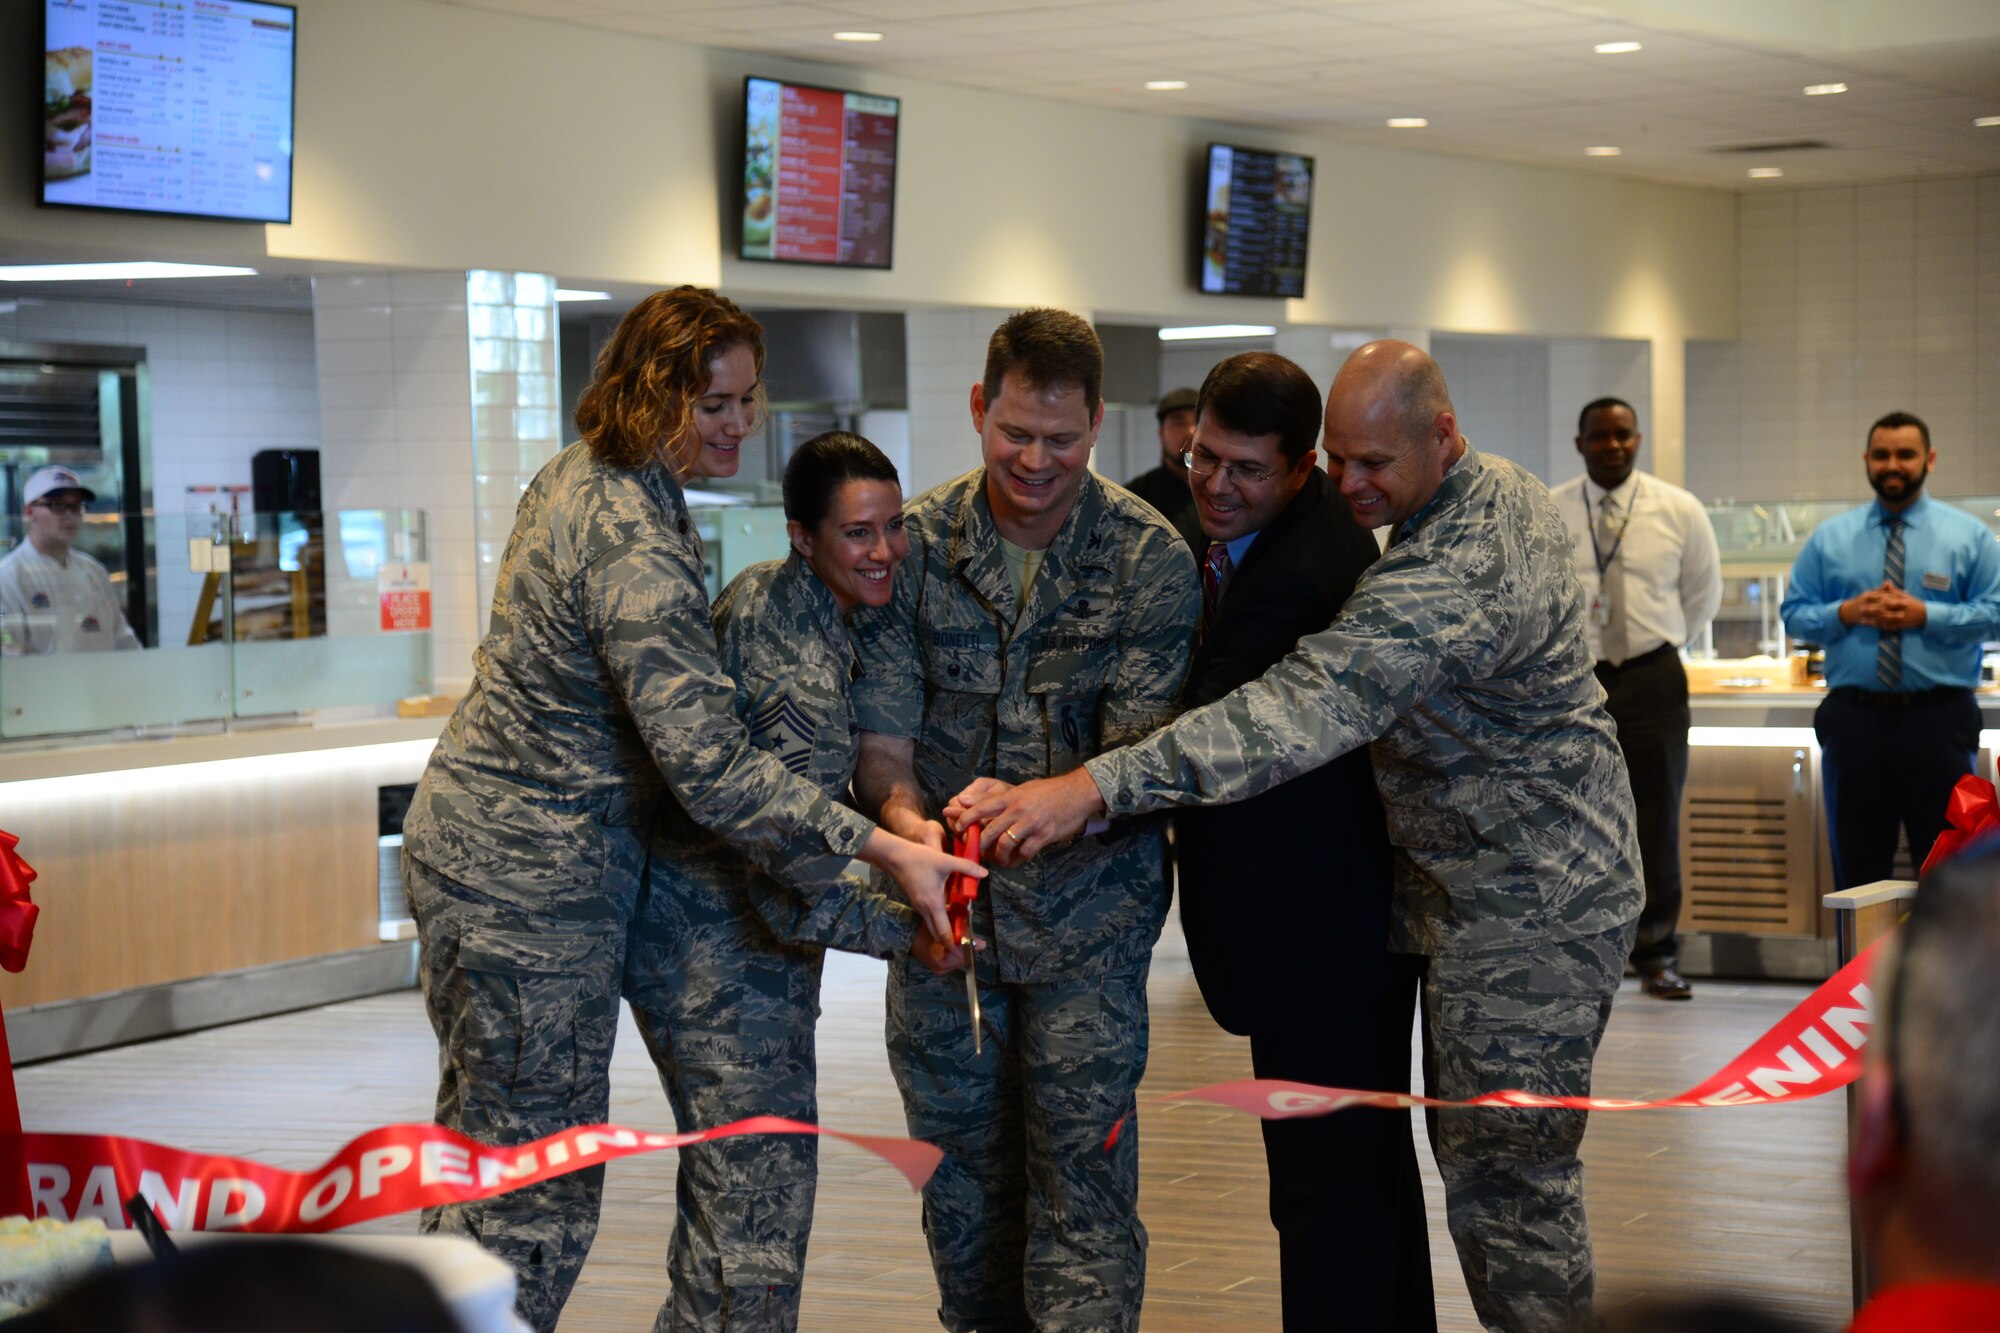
(1256, 222)
(181, 108)
(819, 175)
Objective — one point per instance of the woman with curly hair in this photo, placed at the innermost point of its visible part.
(597, 700)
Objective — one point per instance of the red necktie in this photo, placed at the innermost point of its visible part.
(1215, 571)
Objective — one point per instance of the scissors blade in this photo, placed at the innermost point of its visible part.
(972, 990)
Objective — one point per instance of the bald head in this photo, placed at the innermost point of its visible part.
(1391, 431)
(1397, 382)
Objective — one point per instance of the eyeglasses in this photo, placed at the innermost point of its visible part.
(1206, 465)
(61, 506)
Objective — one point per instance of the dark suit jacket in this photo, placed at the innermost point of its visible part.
(1285, 893)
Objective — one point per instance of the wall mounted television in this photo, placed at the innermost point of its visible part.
(819, 175)
(180, 108)
(1256, 219)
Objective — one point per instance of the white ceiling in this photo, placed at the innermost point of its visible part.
(1509, 80)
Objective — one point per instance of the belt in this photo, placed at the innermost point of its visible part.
(1911, 699)
(1643, 659)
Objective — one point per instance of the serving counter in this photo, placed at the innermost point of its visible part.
(1755, 861)
(203, 879)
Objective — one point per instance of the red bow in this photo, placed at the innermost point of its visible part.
(17, 932)
(17, 910)
(1974, 810)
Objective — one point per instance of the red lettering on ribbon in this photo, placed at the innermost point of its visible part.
(390, 1170)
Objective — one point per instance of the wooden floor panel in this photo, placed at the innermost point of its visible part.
(1744, 1200)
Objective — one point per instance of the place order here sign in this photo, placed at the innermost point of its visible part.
(404, 591)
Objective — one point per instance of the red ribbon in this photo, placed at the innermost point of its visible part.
(1812, 1050)
(1974, 810)
(394, 1169)
(17, 933)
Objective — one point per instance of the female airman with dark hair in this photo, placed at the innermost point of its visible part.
(723, 974)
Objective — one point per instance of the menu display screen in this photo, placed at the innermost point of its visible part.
(819, 175)
(1258, 216)
(169, 106)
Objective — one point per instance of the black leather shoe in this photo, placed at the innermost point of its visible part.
(1665, 983)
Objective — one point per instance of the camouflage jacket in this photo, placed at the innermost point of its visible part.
(1461, 657)
(595, 692)
(1094, 660)
(786, 646)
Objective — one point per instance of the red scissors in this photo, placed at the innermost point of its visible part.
(960, 892)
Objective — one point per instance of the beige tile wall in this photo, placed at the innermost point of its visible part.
(1855, 301)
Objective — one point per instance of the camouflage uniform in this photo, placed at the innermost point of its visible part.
(595, 693)
(723, 976)
(1030, 1222)
(1461, 658)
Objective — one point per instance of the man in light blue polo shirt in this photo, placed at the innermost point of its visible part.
(1901, 593)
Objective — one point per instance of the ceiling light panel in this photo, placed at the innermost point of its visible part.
(138, 271)
(1199, 332)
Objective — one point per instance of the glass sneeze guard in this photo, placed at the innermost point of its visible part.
(245, 616)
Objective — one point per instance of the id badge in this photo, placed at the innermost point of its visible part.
(1600, 611)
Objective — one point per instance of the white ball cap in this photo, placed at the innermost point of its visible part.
(44, 480)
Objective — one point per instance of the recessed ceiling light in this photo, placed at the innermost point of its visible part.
(1189, 332)
(1407, 122)
(1824, 89)
(116, 272)
(857, 37)
(1165, 85)
(1766, 173)
(1986, 122)
(1602, 150)
(1617, 48)
(574, 294)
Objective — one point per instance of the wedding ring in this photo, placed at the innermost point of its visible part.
(1015, 836)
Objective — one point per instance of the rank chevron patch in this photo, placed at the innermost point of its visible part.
(786, 731)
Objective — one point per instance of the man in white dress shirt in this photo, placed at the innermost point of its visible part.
(53, 598)
(1646, 554)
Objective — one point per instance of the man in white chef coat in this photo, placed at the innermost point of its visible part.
(53, 597)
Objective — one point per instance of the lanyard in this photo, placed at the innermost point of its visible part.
(1602, 556)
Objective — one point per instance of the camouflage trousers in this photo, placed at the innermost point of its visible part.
(1031, 1222)
(525, 1006)
(727, 1013)
(1513, 1182)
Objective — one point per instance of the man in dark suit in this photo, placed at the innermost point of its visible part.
(1294, 954)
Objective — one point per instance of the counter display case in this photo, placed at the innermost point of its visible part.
(203, 808)
(254, 616)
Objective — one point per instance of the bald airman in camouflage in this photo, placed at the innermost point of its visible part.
(1460, 660)
(1042, 616)
(723, 971)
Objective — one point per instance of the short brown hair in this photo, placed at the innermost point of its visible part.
(640, 403)
(1262, 393)
(1050, 349)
